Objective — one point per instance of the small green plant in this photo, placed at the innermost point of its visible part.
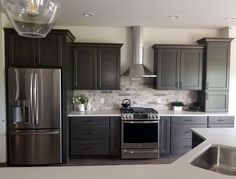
(177, 103)
(81, 99)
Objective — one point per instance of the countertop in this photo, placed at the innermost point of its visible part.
(161, 113)
(181, 168)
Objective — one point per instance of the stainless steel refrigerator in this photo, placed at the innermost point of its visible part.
(34, 116)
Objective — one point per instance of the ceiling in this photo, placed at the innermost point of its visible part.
(148, 13)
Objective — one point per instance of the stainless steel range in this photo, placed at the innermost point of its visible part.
(139, 133)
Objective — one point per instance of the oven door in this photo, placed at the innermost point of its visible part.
(140, 134)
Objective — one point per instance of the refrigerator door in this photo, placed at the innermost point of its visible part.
(47, 98)
(34, 97)
(34, 147)
(20, 98)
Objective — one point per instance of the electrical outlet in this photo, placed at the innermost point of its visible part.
(102, 100)
(158, 100)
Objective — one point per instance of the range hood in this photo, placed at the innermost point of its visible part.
(137, 69)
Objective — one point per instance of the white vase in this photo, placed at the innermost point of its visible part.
(89, 106)
(178, 108)
(81, 107)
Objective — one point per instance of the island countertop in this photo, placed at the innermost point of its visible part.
(181, 168)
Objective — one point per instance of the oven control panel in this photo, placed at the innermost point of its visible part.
(136, 116)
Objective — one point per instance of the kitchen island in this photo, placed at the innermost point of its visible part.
(178, 169)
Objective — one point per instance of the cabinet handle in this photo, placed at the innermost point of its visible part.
(220, 120)
(207, 96)
(87, 148)
(176, 84)
(188, 120)
(187, 132)
(207, 85)
(88, 133)
(180, 84)
(187, 146)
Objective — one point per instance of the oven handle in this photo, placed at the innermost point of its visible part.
(141, 122)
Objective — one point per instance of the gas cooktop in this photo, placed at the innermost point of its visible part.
(138, 110)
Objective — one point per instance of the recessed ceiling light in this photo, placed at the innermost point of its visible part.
(230, 18)
(88, 14)
(175, 17)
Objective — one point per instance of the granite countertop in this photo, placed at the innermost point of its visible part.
(161, 113)
(181, 168)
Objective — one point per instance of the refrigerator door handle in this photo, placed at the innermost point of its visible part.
(36, 99)
(31, 97)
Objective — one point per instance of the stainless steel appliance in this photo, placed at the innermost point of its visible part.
(34, 116)
(139, 133)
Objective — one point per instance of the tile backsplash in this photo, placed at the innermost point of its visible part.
(140, 91)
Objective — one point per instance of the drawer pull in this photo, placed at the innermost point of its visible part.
(188, 120)
(87, 148)
(220, 120)
(187, 132)
(187, 146)
(88, 133)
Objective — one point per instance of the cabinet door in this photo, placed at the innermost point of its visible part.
(20, 51)
(168, 69)
(108, 68)
(191, 69)
(165, 135)
(85, 68)
(115, 136)
(50, 51)
(217, 66)
(216, 101)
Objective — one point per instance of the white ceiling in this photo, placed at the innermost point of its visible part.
(148, 13)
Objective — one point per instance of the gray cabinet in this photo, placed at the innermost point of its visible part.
(96, 66)
(89, 136)
(221, 121)
(181, 134)
(213, 101)
(164, 135)
(178, 67)
(115, 136)
(215, 74)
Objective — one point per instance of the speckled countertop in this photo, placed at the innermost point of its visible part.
(181, 168)
(162, 113)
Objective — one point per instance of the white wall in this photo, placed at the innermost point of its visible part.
(2, 99)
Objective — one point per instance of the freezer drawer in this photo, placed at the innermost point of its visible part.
(34, 147)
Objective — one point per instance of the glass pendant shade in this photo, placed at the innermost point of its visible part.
(32, 18)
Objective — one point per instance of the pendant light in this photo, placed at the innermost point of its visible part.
(32, 18)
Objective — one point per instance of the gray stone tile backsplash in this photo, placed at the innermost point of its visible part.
(140, 91)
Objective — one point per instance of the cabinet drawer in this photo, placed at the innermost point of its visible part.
(221, 126)
(179, 131)
(99, 147)
(89, 120)
(187, 120)
(181, 146)
(88, 132)
(221, 119)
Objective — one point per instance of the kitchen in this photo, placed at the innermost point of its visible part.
(151, 36)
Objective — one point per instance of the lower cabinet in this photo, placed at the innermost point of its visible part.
(181, 134)
(221, 121)
(94, 136)
(164, 135)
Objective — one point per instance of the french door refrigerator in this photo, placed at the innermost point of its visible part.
(34, 116)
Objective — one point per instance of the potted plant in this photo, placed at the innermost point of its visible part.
(177, 106)
(79, 102)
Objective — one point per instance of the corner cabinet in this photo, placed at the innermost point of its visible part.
(96, 66)
(30, 52)
(214, 98)
(178, 67)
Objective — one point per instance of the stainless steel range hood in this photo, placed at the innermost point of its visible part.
(137, 69)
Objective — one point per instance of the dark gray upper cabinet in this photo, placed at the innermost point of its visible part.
(97, 66)
(165, 135)
(30, 52)
(85, 67)
(108, 68)
(217, 63)
(178, 67)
